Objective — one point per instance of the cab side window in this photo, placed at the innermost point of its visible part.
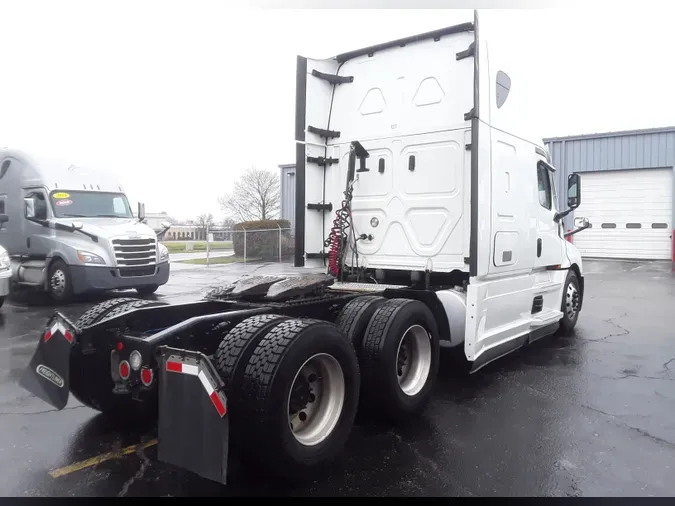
(544, 186)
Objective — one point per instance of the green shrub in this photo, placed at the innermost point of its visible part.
(262, 239)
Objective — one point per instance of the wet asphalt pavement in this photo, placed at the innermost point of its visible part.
(589, 414)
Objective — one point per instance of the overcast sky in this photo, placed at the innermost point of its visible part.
(179, 98)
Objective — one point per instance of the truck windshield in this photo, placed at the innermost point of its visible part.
(81, 204)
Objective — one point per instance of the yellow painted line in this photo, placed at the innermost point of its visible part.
(78, 466)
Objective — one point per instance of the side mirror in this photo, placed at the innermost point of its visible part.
(141, 211)
(29, 207)
(4, 218)
(573, 191)
(165, 225)
(77, 225)
(582, 222)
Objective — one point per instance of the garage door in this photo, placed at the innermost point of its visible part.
(630, 213)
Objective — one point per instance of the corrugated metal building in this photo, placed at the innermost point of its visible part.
(626, 186)
(626, 191)
(288, 194)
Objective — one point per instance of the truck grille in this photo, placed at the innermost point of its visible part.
(135, 252)
(136, 272)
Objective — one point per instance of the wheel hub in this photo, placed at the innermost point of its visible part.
(572, 301)
(301, 395)
(413, 360)
(316, 399)
(58, 281)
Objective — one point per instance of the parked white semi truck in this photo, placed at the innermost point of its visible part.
(436, 221)
(71, 230)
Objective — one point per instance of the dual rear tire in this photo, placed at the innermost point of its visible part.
(294, 386)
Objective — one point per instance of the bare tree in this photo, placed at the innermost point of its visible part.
(228, 223)
(204, 221)
(256, 196)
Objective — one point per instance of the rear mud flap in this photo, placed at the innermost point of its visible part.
(193, 426)
(47, 374)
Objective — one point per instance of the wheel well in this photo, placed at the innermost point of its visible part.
(428, 298)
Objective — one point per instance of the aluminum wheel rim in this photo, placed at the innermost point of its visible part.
(571, 301)
(413, 360)
(316, 399)
(58, 281)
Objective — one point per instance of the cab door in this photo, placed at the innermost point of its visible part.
(548, 244)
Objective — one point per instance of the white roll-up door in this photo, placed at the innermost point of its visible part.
(630, 213)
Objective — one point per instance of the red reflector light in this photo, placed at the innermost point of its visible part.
(69, 336)
(48, 335)
(146, 376)
(218, 404)
(124, 369)
(120, 346)
(174, 366)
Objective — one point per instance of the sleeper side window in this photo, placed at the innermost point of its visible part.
(544, 186)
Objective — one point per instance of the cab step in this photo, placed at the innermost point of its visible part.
(546, 317)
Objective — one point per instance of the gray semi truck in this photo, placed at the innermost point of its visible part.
(71, 230)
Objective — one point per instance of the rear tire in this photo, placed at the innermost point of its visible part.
(234, 352)
(95, 313)
(313, 361)
(399, 361)
(355, 316)
(2, 301)
(570, 302)
(128, 306)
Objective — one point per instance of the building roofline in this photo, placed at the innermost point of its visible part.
(286, 166)
(618, 133)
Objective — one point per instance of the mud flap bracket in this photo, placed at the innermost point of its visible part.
(193, 426)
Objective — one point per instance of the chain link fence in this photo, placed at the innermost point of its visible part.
(245, 246)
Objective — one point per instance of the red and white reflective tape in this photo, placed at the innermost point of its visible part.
(193, 370)
(60, 328)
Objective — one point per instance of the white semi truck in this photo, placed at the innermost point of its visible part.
(436, 221)
(71, 230)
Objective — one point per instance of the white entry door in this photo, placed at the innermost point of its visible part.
(630, 212)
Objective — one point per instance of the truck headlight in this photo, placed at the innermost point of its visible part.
(89, 258)
(4, 259)
(163, 253)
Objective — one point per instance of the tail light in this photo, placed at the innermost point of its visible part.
(147, 376)
(124, 369)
